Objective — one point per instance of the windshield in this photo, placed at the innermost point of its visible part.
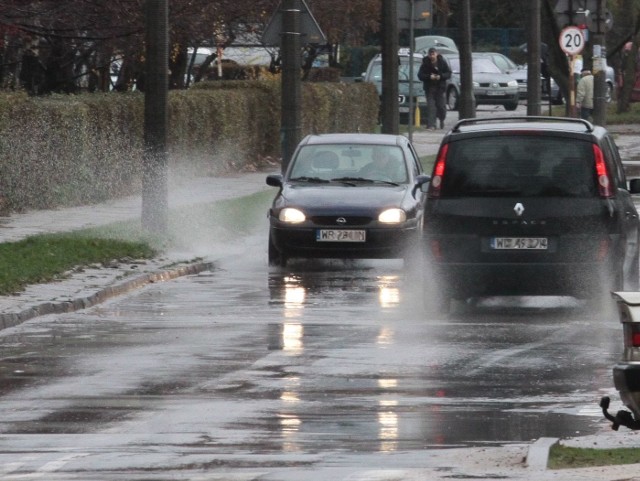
(403, 70)
(349, 163)
(479, 65)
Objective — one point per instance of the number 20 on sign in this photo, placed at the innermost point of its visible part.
(571, 40)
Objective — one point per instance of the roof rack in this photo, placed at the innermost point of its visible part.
(530, 118)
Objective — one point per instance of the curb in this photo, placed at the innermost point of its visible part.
(13, 319)
(538, 455)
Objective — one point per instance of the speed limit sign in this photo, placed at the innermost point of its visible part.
(571, 40)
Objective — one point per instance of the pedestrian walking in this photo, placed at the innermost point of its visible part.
(434, 73)
(584, 95)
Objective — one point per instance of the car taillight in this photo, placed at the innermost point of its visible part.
(631, 341)
(604, 180)
(438, 172)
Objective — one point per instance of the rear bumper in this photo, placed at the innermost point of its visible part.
(626, 378)
(477, 280)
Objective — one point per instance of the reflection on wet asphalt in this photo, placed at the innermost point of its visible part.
(323, 357)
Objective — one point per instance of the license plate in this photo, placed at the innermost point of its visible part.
(340, 235)
(403, 110)
(495, 92)
(525, 243)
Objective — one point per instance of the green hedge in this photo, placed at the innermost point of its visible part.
(72, 150)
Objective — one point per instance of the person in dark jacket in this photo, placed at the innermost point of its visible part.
(434, 73)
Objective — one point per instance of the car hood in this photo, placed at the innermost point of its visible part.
(332, 197)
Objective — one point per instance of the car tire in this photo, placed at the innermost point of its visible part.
(452, 99)
(511, 106)
(609, 93)
(275, 257)
(558, 99)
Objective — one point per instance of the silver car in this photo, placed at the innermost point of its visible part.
(373, 74)
(490, 85)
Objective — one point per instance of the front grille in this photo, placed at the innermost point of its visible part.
(333, 221)
(491, 84)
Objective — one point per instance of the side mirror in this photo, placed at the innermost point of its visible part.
(422, 183)
(274, 180)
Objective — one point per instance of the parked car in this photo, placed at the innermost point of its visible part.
(490, 85)
(334, 202)
(530, 206)
(626, 373)
(373, 74)
(520, 73)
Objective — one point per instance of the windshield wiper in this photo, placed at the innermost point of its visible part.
(314, 180)
(352, 179)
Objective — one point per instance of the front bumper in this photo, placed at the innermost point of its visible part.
(381, 243)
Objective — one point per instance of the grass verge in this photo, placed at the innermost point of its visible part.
(44, 258)
(563, 457)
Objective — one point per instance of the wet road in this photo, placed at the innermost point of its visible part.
(322, 371)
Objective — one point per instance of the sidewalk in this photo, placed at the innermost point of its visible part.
(91, 286)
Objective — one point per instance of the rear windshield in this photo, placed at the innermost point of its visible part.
(523, 166)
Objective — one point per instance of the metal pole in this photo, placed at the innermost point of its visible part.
(534, 56)
(291, 97)
(411, 96)
(390, 115)
(467, 100)
(156, 82)
(599, 60)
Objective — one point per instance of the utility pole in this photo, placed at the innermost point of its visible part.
(291, 96)
(534, 55)
(599, 60)
(156, 84)
(467, 101)
(390, 114)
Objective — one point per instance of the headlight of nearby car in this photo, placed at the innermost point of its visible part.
(476, 84)
(392, 216)
(512, 83)
(291, 215)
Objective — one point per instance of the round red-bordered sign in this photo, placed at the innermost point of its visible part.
(572, 40)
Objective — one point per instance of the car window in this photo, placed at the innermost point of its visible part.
(404, 67)
(502, 63)
(525, 166)
(376, 72)
(612, 155)
(484, 65)
(339, 161)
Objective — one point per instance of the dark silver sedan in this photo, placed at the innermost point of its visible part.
(490, 85)
(347, 196)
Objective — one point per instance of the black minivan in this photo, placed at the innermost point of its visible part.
(530, 206)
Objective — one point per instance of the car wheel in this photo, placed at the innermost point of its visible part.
(275, 257)
(452, 99)
(609, 93)
(558, 99)
(511, 106)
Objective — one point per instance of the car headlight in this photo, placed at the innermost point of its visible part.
(476, 84)
(512, 83)
(291, 215)
(392, 216)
